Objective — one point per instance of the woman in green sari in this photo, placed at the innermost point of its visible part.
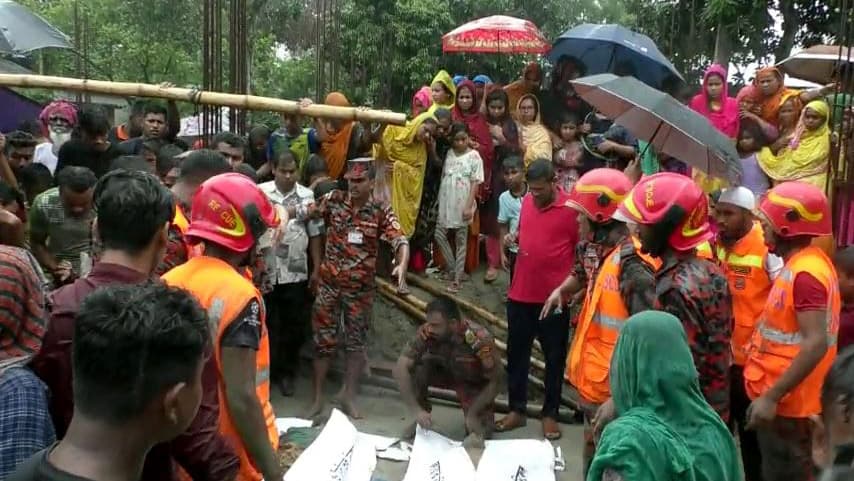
(665, 430)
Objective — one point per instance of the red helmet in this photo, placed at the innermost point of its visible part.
(598, 193)
(231, 211)
(796, 209)
(672, 203)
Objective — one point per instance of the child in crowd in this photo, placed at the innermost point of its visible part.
(315, 171)
(461, 178)
(568, 156)
(751, 139)
(509, 206)
(844, 262)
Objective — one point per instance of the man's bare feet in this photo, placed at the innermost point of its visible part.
(348, 407)
(315, 410)
(510, 422)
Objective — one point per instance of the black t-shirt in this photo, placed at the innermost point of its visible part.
(76, 152)
(245, 330)
(38, 468)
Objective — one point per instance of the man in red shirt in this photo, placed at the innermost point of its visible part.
(548, 233)
(134, 213)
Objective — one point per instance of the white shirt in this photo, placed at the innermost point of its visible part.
(44, 155)
(290, 263)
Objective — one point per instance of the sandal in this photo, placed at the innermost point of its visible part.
(491, 275)
(551, 429)
(453, 288)
(510, 422)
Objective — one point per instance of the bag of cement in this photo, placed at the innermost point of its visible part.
(335, 455)
(437, 458)
(501, 460)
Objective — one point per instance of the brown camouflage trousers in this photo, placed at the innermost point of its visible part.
(340, 311)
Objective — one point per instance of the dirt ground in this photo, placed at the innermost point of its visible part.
(384, 411)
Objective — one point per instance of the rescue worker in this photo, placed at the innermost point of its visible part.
(672, 216)
(197, 167)
(621, 285)
(794, 342)
(355, 225)
(451, 352)
(750, 268)
(234, 219)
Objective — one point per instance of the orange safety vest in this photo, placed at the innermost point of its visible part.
(777, 338)
(182, 223)
(600, 321)
(704, 251)
(749, 284)
(224, 292)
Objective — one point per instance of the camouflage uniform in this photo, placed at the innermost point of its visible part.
(347, 287)
(461, 364)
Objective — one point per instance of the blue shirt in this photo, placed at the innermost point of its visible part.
(509, 207)
(25, 424)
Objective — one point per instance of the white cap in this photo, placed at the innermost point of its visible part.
(739, 197)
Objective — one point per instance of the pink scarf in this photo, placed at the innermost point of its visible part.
(726, 120)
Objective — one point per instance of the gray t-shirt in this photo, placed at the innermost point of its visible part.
(67, 237)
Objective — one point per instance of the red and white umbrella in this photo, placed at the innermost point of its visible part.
(496, 34)
(817, 63)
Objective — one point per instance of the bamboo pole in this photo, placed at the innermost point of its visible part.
(247, 102)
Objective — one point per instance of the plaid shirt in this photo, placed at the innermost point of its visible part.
(22, 303)
(25, 424)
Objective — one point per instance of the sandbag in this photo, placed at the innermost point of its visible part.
(335, 455)
(436, 457)
(501, 460)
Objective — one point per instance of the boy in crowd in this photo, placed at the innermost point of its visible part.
(509, 206)
(137, 358)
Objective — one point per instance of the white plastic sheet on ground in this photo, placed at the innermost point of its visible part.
(335, 455)
(437, 458)
(517, 460)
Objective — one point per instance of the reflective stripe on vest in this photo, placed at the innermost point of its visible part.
(749, 284)
(225, 293)
(600, 321)
(704, 251)
(776, 341)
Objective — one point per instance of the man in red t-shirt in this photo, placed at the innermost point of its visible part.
(547, 235)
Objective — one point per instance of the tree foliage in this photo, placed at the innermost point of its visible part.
(380, 51)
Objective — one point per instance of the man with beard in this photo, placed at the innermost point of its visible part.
(672, 214)
(57, 121)
(750, 269)
(794, 342)
(449, 351)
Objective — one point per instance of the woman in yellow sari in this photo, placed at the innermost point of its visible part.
(806, 156)
(404, 151)
(534, 137)
(443, 91)
(532, 77)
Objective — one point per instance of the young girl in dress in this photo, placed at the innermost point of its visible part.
(568, 155)
(461, 178)
(751, 140)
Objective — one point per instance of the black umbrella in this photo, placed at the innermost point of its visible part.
(666, 124)
(22, 31)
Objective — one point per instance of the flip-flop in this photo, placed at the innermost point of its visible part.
(490, 277)
(551, 430)
(503, 426)
(453, 288)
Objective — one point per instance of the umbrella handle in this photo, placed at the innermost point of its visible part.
(651, 139)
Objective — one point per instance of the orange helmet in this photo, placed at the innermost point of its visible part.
(231, 211)
(796, 209)
(598, 193)
(674, 205)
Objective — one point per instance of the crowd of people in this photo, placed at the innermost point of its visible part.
(154, 289)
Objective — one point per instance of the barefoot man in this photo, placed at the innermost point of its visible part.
(355, 225)
(451, 352)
